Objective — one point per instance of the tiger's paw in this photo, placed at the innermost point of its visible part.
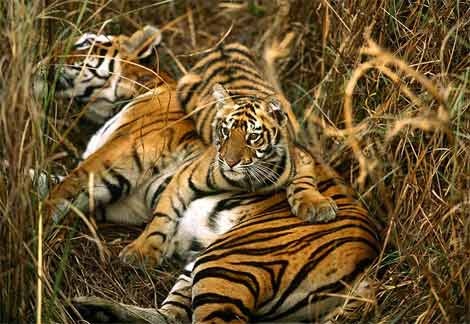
(314, 208)
(142, 252)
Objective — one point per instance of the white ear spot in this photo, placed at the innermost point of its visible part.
(142, 42)
(153, 33)
(220, 94)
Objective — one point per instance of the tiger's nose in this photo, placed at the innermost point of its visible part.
(232, 162)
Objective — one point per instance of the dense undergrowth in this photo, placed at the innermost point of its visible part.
(381, 87)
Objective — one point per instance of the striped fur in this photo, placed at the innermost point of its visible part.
(131, 158)
(139, 151)
(250, 128)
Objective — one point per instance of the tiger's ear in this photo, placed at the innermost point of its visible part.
(276, 112)
(141, 43)
(221, 95)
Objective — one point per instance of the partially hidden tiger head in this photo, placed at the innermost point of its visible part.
(102, 70)
(251, 137)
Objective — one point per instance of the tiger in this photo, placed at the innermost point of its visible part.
(129, 160)
(103, 71)
(147, 140)
(250, 149)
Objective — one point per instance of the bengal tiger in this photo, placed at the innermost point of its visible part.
(251, 148)
(268, 266)
(130, 159)
(258, 261)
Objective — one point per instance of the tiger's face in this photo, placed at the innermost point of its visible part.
(103, 70)
(251, 138)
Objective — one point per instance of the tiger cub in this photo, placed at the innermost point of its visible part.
(250, 148)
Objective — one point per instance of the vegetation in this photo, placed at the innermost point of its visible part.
(381, 87)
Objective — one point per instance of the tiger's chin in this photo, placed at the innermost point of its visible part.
(233, 174)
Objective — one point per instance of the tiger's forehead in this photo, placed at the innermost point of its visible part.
(246, 115)
(248, 103)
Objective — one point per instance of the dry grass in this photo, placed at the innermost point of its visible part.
(382, 89)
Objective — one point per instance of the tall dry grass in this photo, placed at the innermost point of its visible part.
(382, 90)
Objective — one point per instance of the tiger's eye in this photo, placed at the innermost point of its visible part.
(224, 131)
(253, 136)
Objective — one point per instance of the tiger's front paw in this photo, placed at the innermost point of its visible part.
(314, 208)
(142, 251)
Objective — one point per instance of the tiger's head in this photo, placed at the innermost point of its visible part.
(251, 138)
(102, 70)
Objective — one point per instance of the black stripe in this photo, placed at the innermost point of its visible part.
(185, 98)
(177, 293)
(122, 180)
(112, 61)
(198, 193)
(244, 278)
(88, 92)
(303, 177)
(185, 307)
(325, 184)
(137, 161)
(239, 49)
(226, 315)
(297, 190)
(212, 298)
(188, 136)
(269, 266)
(175, 210)
(158, 233)
(166, 120)
(114, 190)
(298, 243)
(162, 215)
(156, 193)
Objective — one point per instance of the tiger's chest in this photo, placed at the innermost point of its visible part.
(204, 221)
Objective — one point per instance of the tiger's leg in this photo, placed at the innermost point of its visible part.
(103, 183)
(302, 192)
(109, 176)
(192, 180)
